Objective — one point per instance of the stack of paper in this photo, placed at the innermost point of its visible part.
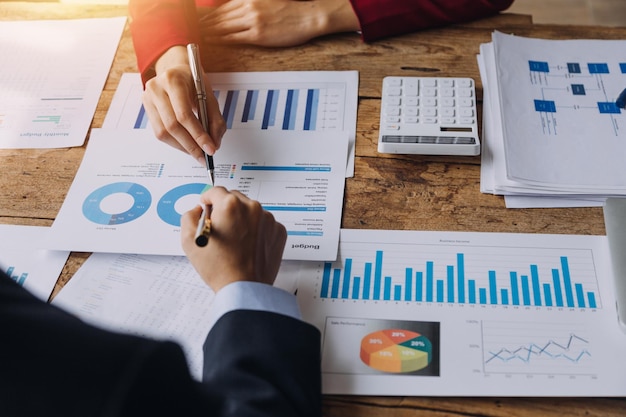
(551, 127)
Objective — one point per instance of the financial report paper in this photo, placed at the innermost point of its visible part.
(130, 190)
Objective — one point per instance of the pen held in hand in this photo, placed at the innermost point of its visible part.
(198, 81)
(203, 231)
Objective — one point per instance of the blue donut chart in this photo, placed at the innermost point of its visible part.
(140, 194)
(166, 205)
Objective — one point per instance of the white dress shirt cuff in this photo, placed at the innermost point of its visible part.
(246, 295)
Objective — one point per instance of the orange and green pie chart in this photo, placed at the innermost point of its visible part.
(396, 350)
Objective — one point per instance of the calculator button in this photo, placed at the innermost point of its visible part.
(411, 119)
(392, 119)
(429, 120)
(466, 102)
(411, 101)
(392, 127)
(448, 112)
(394, 82)
(392, 111)
(447, 92)
(467, 112)
(465, 92)
(394, 101)
(447, 102)
(394, 91)
(446, 82)
(429, 102)
(429, 111)
(466, 83)
(429, 92)
(429, 82)
(467, 121)
(411, 111)
(448, 120)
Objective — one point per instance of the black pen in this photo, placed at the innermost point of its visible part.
(203, 231)
(198, 80)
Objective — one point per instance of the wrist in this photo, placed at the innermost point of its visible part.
(174, 56)
(337, 16)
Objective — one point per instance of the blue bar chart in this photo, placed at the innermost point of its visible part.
(279, 107)
(489, 276)
(20, 278)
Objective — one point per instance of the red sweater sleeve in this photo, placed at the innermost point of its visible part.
(382, 18)
(157, 25)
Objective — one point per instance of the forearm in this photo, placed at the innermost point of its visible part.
(158, 25)
(336, 16)
(382, 18)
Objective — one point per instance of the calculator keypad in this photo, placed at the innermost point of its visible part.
(437, 112)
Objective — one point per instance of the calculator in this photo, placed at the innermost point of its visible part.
(428, 115)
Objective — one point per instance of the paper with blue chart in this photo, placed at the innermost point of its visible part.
(562, 130)
(471, 314)
(322, 101)
(131, 189)
(26, 260)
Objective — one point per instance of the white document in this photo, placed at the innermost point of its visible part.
(523, 72)
(562, 128)
(466, 314)
(24, 258)
(323, 101)
(51, 77)
(160, 297)
(131, 190)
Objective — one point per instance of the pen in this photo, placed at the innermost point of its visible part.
(198, 80)
(203, 230)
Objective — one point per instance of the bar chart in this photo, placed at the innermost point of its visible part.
(484, 275)
(272, 106)
(20, 278)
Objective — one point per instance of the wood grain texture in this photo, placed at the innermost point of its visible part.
(387, 192)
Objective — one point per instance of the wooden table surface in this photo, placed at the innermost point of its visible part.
(401, 192)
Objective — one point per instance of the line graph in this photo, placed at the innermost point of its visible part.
(536, 348)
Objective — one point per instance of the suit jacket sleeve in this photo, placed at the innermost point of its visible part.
(383, 18)
(53, 364)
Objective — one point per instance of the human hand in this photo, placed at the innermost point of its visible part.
(170, 101)
(276, 22)
(246, 242)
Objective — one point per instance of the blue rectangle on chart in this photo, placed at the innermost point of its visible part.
(598, 68)
(608, 108)
(229, 107)
(622, 67)
(269, 116)
(249, 107)
(310, 113)
(578, 89)
(573, 68)
(545, 106)
(538, 66)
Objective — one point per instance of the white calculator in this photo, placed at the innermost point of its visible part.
(428, 115)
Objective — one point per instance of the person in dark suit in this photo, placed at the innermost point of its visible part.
(260, 358)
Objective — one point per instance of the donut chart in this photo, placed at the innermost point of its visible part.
(166, 207)
(141, 202)
(396, 351)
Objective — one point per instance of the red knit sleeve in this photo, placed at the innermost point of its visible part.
(382, 18)
(157, 25)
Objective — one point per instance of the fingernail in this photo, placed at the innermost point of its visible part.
(207, 149)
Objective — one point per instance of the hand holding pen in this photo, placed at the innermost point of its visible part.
(170, 101)
(246, 242)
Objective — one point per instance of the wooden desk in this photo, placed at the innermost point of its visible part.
(387, 191)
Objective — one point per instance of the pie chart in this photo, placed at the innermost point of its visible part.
(396, 350)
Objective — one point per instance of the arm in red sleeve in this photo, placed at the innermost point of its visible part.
(157, 25)
(382, 18)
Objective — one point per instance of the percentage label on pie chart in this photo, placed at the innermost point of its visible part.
(396, 350)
